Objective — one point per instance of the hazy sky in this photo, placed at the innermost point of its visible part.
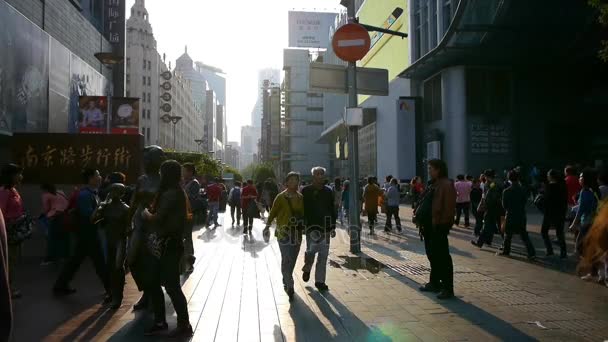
(238, 36)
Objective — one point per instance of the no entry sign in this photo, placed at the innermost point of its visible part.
(351, 42)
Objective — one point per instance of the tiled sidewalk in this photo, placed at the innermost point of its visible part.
(235, 294)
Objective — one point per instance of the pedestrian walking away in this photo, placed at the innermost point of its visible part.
(393, 197)
(371, 194)
(555, 205)
(249, 194)
(491, 207)
(214, 194)
(320, 221)
(463, 199)
(288, 210)
(435, 216)
(234, 200)
(514, 200)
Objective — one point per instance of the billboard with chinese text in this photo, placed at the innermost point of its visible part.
(310, 29)
(125, 115)
(60, 158)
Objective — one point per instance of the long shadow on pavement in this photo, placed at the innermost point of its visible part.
(477, 316)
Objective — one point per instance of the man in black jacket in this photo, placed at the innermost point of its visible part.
(320, 218)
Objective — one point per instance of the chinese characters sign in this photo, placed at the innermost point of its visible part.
(115, 23)
(492, 138)
(60, 158)
(310, 29)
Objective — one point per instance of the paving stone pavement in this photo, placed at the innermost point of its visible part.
(235, 294)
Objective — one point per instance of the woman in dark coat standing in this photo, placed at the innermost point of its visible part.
(169, 214)
(556, 204)
(514, 201)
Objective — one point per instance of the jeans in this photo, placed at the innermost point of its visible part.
(558, 224)
(117, 249)
(438, 253)
(214, 208)
(167, 275)
(460, 208)
(290, 248)
(390, 212)
(88, 244)
(317, 243)
(235, 209)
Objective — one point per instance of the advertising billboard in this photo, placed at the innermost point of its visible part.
(24, 73)
(310, 29)
(125, 115)
(93, 118)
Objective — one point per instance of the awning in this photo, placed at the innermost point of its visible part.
(507, 33)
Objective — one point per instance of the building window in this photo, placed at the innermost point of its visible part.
(432, 99)
(145, 64)
(149, 98)
(149, 65)
(144, 80)
(149, 81)
(447, 15)
(128, 62)
(148, 133)
(143, 97)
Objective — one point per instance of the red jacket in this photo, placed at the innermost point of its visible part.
(214, 193)
(574, 188)
(249, 190)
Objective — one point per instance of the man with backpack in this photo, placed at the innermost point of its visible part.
(88, 243)
(234, 200)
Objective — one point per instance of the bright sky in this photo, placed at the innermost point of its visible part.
(238, 36)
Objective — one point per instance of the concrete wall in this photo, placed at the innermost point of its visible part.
(396, 145)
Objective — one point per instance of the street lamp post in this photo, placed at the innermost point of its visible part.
(199, 142)
(174, 119)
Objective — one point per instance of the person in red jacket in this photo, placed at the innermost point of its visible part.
(248, 195)
(214, 193)
(572, 184)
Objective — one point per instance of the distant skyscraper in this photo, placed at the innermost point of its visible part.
(272, 75)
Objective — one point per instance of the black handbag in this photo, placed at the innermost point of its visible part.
(252, 210)
(20, 230)
(423, 216)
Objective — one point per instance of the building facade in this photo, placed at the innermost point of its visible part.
(249, 141)
(274, 77)
(47, 61)
(494, 98)
(303, 115)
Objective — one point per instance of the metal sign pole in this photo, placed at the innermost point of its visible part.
(353, 132)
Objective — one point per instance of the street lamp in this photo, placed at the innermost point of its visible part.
(109, 59)
(199, 142)
(174, 119)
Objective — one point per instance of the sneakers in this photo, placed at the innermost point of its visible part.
(322, 287)
(306, 276)
(156, 329)
(588, 277)
(182, 330)
(445, 294)
(428, 287)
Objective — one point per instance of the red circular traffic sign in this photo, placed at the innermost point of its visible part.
(351, 42)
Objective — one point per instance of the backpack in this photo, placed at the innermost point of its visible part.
(235, 197)
(70, 219)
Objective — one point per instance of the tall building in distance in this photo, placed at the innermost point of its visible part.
(273, 76)
(270, 142)
(249, 141)
(303, 116)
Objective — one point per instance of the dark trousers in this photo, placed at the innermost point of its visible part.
(438, 253)
(523, 233)
(235, 209)
(478, 219)
(188, 244)
(372, 218)
(390, 212)
(463, 208)
(58, 240)
(558, 224)
(87, 245)
(290, 248)
(167, 274)
(490, 227)
(117, 249)
(247, 221)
